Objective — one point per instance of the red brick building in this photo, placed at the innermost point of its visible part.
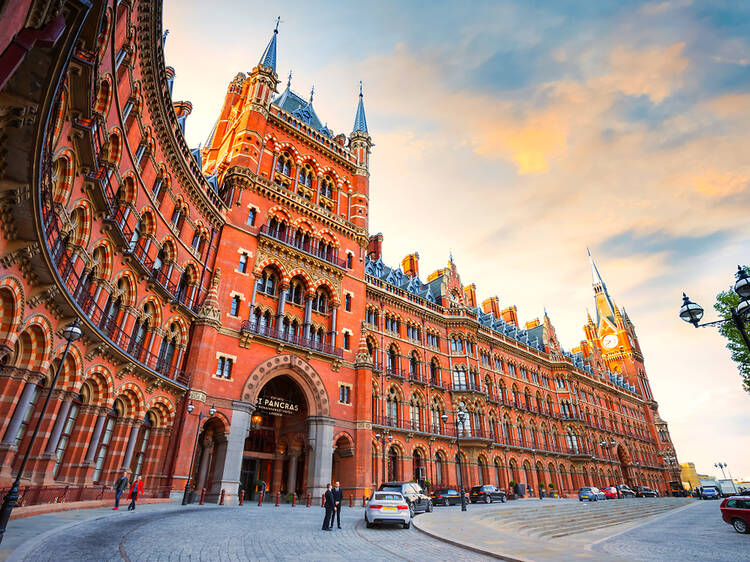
(242, 276)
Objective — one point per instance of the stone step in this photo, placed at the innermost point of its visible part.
(588, 525)
(593, 517)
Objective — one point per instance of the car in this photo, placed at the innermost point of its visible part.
(415, 497)
(387, 507)
(735, 510)
(645, 492)
(610, 492)
(486, 494)
(445, 496)
(709, 493)
(591, 493)
(625, 491)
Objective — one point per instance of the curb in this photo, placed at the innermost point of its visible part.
(465, 546)
(47, 508)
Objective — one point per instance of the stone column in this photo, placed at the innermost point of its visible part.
(131, 445)
(62, 417)
(235, 446)
(207, 446)
(95, 437)
(291, 477)
(320, 440)
(254, 293)
(333, 326)
(308, 313)
(19, 414)
(282, 302)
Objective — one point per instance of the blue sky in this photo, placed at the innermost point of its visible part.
(516, 134)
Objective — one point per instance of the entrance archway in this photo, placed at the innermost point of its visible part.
(392, 464)
(343, 461)
(625, 464)
(210, 456)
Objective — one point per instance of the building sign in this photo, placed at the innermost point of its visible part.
(276, 406)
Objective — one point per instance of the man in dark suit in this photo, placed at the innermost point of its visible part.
(329, 505)
(338, 499)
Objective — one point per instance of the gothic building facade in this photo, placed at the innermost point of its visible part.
(240, 327)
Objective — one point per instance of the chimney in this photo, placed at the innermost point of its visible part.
(470, 295)
(510, 315)
(532, 324)
(410, 265)
(182, 109)
(492, 306)
(375, 247)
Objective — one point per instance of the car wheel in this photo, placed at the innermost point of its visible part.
(739, 525)
(411, 510)
(580, 499)
(407, 524)
(487, 499)
(368, 524)
(429, 507)
(502, 499)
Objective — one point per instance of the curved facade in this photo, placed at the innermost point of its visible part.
(243, 276)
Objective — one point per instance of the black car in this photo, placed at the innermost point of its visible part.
(413, 494)
(625, 491)
(486, 494)
(645, 492)
(446, 496)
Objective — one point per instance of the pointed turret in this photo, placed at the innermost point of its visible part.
(268, 58)
(604, 306)
(360, 122)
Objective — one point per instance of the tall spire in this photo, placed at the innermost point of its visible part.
(596, 278)
(604, 305)
(360, 123)
(268, 58)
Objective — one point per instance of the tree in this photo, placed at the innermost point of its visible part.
(725, 302)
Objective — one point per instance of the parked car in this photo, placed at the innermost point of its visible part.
(645, 492)
(446, 496)
(736, 512)
(710, 493)
(387, 507)
(625, 491)
(486, 494)
(415, 497)
(591, 493)
(610, 492)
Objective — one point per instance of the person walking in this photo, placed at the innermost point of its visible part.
(329, 505)
(135, 490)
(338, 498)
(120, 486)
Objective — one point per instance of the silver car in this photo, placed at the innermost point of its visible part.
(387, 507)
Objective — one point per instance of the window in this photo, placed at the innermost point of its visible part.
(349, 260)
(106, 439)
(27, 415)
(224, 368)
(235, 308)
(126, 110)
(242, 267)
(139, 153)
(251, 216)
(267, 283)
(158, 191)
(348, 303)
(345, 394)
(62, 443)
(142, 446)
(347, 340)
(122, 53)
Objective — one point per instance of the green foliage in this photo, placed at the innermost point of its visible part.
(725, 301)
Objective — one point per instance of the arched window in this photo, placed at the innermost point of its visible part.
(434, 372)
(391, 407)
(142, 444)
(459, 377)
(67, 431)
(296, 292)
(480, 470)
(326, 187)
(320, 301)
(415, 414)
(104, 443)
(413, 366)
(234, 309)
(439, 468)
(392, 366)
(267, 282)
(393, 464)
(284, 164)
(436, 420)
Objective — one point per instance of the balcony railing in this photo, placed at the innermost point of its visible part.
(261, 329)
(467, 386)
(309, 246)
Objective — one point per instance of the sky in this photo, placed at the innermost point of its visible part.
(517, 134)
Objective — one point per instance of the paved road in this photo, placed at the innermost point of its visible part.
(231, 533)
(696, 534)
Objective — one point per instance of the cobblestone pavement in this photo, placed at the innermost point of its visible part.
(697, 534)
(230, 533)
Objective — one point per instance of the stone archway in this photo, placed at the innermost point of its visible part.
(625, 464)
(320, 444)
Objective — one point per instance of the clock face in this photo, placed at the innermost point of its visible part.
(609, 341)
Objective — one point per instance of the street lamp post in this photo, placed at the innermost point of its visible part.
(70, 333)
(382, 437)
(186, 495)
(461, 417)
(692, 313)
(722, 466)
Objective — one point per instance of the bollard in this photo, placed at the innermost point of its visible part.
(278, 497)
(364, 500)
(221, 499)
(260, 499)
(203, 496)
(351, 500)
(309, 498)
(242, 496)
(294, 499)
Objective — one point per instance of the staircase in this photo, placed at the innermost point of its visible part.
(551, 520)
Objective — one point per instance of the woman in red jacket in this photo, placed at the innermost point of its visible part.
(135, 490)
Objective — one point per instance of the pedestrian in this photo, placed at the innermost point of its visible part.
(135, 490)
(120, 486)
(338, 498)
(328, 504)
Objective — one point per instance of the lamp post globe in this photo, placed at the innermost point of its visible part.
(743, 308)
(72, 332)
(742, 286)
(211, 410)
(190, 408)
(690, 311)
